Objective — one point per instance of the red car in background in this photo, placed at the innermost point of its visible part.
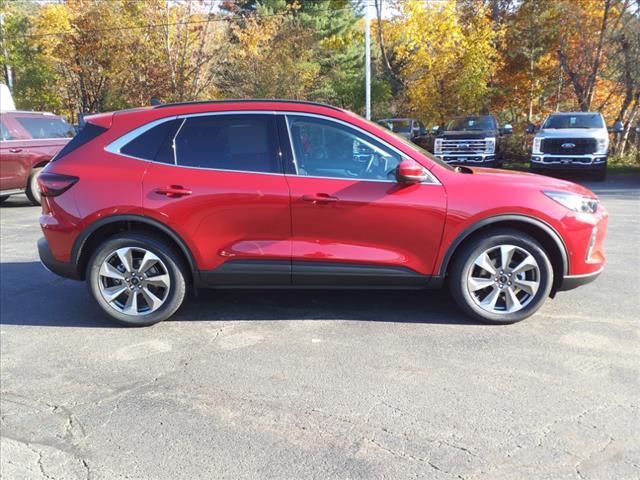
(146, 203)
(28, 140)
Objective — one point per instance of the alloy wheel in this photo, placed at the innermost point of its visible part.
(134, 281)
(504, 279)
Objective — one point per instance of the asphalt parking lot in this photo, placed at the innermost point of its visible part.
(321, 384)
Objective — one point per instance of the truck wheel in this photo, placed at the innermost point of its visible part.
(502, 277)
(33, 192)
(600, 175)
(136, 278)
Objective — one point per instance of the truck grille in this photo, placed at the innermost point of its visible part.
(463, 146)
(568, 146)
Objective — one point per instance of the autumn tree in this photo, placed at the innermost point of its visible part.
(446, 64)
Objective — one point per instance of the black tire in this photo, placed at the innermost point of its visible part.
(33, 192)
(600, 175)
(464, 262)
(4, 198)
(167, 254)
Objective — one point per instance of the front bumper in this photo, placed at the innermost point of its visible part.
(585, 162)
(569, 282)
(463, 158)
(64, 269)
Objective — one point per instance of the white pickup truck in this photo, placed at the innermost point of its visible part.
(571, 141)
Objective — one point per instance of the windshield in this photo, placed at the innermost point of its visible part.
(399, 125)
(589, 120)
(466, 124)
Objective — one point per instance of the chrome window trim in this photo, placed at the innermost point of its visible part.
(120, 142)
(116, 145)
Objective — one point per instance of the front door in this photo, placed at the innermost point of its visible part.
(352, 222)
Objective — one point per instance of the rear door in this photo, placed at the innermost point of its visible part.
(217, 181)
(353, 223)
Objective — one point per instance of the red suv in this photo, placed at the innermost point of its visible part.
(144, 203)
(28, 140)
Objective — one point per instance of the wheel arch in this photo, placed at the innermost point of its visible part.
(544, 233)
(101, 229)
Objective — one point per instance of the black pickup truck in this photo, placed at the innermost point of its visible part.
(472, 140)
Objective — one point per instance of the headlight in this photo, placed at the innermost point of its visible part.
(437, 146)
(603, 145)
(537, 142)
(574, 202)
(489, 145)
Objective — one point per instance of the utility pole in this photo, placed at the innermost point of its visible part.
(7, 67)
(367, 59)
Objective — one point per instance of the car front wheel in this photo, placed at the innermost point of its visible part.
(136, 279)
(503, 278)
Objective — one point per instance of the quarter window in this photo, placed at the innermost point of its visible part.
(323, 148)
(245, 143)
(154, 144)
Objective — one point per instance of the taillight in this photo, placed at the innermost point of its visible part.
(53, 184)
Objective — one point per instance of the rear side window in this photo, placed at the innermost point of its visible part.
(245, 143)
(154, 144)
(85, 135)
(5, 134)
(46, 127)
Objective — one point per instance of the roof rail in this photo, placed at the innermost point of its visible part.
(246, 100)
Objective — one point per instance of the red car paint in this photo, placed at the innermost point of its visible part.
(20, 152)
(231, 215)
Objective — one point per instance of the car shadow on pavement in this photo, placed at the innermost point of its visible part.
(16, 201)
(30, 295)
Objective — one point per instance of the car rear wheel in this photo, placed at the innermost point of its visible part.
(136, 279)
(33, 192)
(501, 278)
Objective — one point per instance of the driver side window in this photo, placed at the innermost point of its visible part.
(323, 148)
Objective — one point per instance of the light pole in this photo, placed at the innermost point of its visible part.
(367, 60)
(7, 67)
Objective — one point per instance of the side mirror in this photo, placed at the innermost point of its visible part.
(410, 172)
(531, 128)
(507, 129)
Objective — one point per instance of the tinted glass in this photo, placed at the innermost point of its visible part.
(472, 123)
(46, 127)
(245, 143)
(590, 120)
(401, 125)
(85, 135)
(4, 133)
(149, 144)
(323, 148)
